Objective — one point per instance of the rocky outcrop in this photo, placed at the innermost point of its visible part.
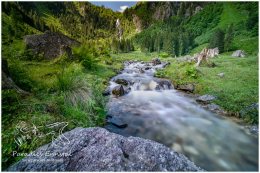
(96, 149)
(239, 53)
(50, 44)
(138, 23)
(164, 11)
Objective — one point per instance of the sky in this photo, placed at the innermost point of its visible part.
(115, 5)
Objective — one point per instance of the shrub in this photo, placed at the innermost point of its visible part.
(86, 56)
(21, 76)
(164, 55)
(192, 72)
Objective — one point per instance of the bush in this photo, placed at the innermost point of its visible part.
(29, 55)
(21, 77)
(86, 57)
(164, 55)
(192, 72)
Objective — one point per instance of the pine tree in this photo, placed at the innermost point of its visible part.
(176, 47)
(217, 40)
(15, 21)
(229, 37)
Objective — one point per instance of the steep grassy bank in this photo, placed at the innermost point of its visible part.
(61, 91)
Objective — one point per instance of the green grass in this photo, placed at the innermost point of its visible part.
(248, 44)
(135, 55)
(61, 91)
(236, 90)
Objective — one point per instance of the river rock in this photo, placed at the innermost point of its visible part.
(163, 83)
(213, 107)
(238, 53)
(166, 64)
(147, 68)
(253, 129)
(117, 122)
(121, 81)
(156, 61)
(106, 92)
(251, 109)
(186, 87)
(205, 99)
(119, 90)
(96, 149)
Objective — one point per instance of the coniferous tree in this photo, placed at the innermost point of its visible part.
(176, 47)
(229, 37)
(217, 40)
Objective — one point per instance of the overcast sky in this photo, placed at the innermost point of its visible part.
(115, 5)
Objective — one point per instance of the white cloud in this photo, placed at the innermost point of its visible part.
(122, 8)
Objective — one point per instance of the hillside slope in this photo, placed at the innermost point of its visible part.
(79, 20)
(179, 33)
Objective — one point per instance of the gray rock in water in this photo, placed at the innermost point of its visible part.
(186, 87)
(106, 92)
(205, 99)
(119, 90)
(163, 83)
(238, 53)
(156, 61)
(117, 122)
(121, 81)
(96, 149)
(166, 64)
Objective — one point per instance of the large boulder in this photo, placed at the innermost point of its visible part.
(50, 44)
(238, 53)
(96, 149)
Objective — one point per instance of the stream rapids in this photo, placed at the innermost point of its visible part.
(153, 109)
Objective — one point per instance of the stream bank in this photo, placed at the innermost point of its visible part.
(151, 108)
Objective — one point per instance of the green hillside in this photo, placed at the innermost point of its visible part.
(180, 34)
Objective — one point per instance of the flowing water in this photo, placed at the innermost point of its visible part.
(154, 110)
